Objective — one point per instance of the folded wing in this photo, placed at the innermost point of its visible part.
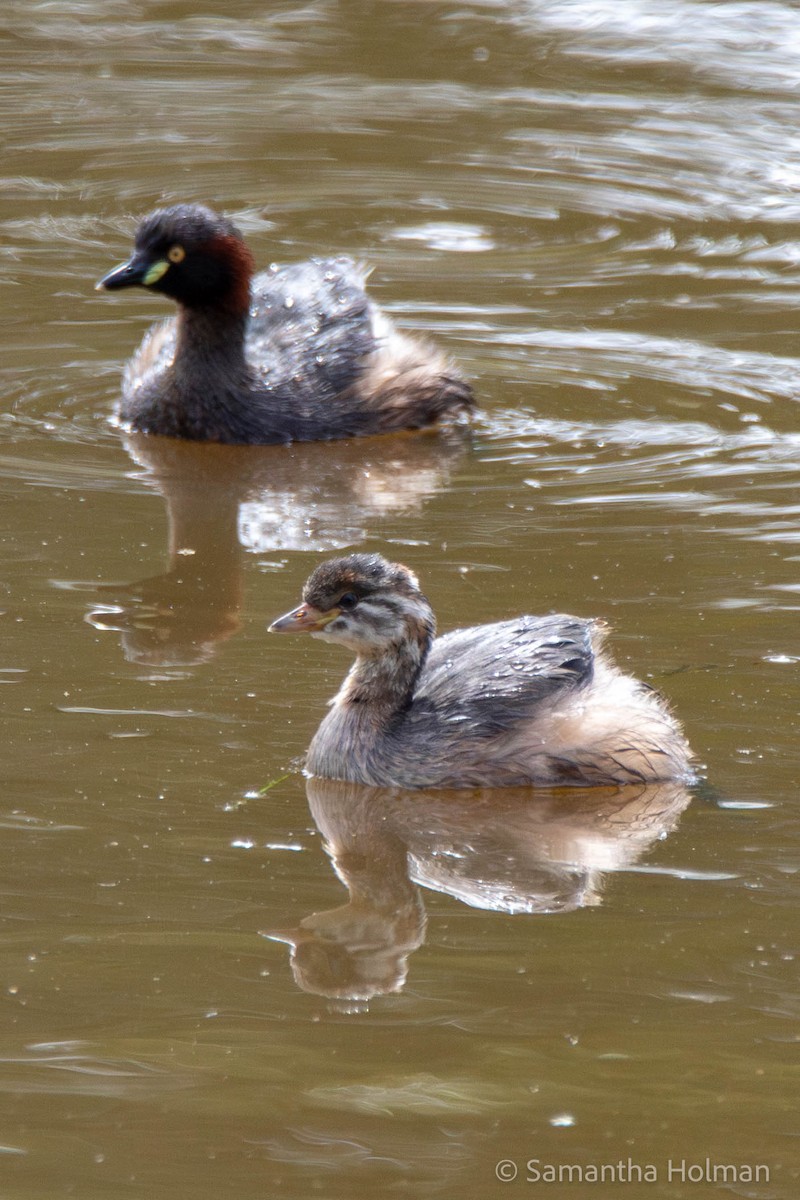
(485, 680)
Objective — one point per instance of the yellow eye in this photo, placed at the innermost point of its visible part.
(176, 253)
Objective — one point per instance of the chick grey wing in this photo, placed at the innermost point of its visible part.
(485, 679)
(310, 327)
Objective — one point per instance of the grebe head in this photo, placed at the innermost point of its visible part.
(191, 254)
(363, 602)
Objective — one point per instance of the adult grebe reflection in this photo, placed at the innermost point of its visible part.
(510, 850)
(225, 500)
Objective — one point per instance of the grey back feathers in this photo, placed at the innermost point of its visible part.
(485, 678)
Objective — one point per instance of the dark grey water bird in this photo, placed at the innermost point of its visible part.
(296, 353)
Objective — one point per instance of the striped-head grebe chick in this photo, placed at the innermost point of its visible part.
(297, 353)
(533, 700)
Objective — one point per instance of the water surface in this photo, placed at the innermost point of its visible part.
(221, 980)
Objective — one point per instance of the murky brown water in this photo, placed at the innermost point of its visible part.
(594, 206)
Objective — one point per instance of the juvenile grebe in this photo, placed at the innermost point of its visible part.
(533, 700)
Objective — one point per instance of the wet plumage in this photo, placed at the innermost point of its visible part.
(296, 353)
(530, 700)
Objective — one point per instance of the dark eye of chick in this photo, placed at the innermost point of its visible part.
(348, 600)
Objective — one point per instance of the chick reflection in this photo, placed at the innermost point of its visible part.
(223, 500)
(514, 851)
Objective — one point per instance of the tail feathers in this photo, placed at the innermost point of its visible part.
(409, 383)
